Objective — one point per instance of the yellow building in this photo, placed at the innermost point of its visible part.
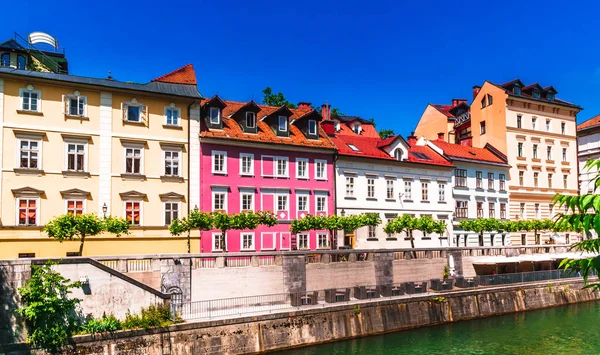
(438, 118)
(85, 145)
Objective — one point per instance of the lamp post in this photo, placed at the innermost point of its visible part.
(104, 209)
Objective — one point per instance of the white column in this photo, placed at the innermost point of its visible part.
(105, 153)
(1, 137)
(194, 146)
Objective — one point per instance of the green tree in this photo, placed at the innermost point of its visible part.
(278, 99)
(244, 220)
(386, 133)
(72, 227)
(408, 224)
(335, 112)
(196, 220)
(50, 314)
(335, 223)
(481, 225)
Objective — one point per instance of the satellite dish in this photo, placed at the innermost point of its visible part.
(41, 37)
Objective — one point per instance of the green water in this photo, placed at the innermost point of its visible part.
(573, 329)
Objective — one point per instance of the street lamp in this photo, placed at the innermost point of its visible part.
(104, 209)
(343, 212)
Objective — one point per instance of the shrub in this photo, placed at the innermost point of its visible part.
(153, 316)
(105, 324)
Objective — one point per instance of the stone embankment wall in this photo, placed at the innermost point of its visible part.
(301, 328)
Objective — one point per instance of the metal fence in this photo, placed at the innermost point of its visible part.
(264, 304)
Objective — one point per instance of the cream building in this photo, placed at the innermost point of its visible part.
(85, 145)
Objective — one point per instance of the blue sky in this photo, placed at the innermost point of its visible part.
(381, 59)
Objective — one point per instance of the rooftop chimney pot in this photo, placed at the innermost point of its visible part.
(304, 106)
(476, 90)
(441, 136)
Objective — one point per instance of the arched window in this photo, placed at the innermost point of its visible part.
(398, 154)
(5, 60)
(21, 62)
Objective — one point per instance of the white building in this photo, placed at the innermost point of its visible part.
(479, 188)
(588, 139)
(390, 177)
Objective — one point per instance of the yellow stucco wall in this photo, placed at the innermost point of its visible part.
(433, 122)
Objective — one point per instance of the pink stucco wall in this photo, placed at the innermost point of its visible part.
(264, 189)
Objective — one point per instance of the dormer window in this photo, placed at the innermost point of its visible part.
(517, 90)
(250, 120)
(550, 97)
(312, 127)
(357, 128)
(398, 154)
(215, 115)
(536, 94)
(282, 123)
(337, 126)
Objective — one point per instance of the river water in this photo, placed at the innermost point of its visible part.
(573, 329)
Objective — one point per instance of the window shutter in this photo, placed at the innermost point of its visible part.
(124, 111)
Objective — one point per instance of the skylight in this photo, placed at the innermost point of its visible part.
(420, 155)
(353, 147)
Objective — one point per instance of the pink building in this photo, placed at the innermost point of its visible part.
(263, 158)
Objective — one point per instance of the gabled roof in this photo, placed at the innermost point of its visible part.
(11, 44)
(184, 75)
(591, 123)
(389, 140)
(232, 131)
(525, 92)
(444, 109)
(463, 152)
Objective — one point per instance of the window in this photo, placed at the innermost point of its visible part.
(484, 102)
(303, 241)
(215, 115)
(301, 168)
(533, 122)
(372, 232)
(172, 115)
(76, 106)
(370, 187)
(76, 156)
(424, 191)
(282, 166)
(490, 99)
(408, 190)
(353, 147)
(535, 151)
(321, 204)
(171, 212)
(502, 179)
(441, 192)
(549, 180)
(323, 240)
(550, 210)
(537, 210)
(75, 207)
(219, 201)
(522, 210)
(247, 201)
(21, 62)
(302, 203)
(482, 127)
(219, 162)
(5, 60)
(563, 128)
(460, 176)
(247, 240)
(519, 121)
(30, 100)
(548, 153)
(312, 127)
(171, 163)
(462, 209)
(536, 179)
(550, 97)
(250, 120)
(349, 186)
(520, 149)
(28, 212)
(398, 154)
(29, 153)
(491, 210)
(491, 181)
(320, 169)
(536, 94)
(357, 128)
(521, 177)
(246, 164)
(565, 181)
(547, 125)
(479, 179)
(132, 212)
(133, 160)
(390, 189)
(479, 209)
(283, 122)
(564, 154)
(133, 113)
(503, 211)
(219, 242)
(517, 90)
(282, 201)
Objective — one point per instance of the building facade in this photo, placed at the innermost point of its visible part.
(444, 118)
(390, 177)
(262, 158)
(77, 145)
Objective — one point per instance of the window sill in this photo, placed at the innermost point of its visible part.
(425, 201)
(371, 199)
(247, 250)
(372, 239)
(460, 187)
(390, 199)
(491, 190)
(302, 178)
(550, 161)
(27, 112)
(172, 126)
(69, 173)
(320, 179)
(391, 239)
(535, 160)
(426, 238)
(564, 162)
(521, 158)
(479, 189)
(72, 117)
(247, 175)
(407, 201)
(25, 171)
(218, 173)
(170, 178)
(134, 123)
(349, 198)
(127, 176)
(444, 202)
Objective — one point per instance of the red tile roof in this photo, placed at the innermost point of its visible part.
(445, 109)
(183, 75)
(367, 129)
(466, 152)
(507, 87)
(592, 122)
(232, 130)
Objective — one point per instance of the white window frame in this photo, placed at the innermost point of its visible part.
(210, 115)
(252, 244)
(326, 236)
(85, 154)
(565, 154)
(253, 115)
(408, 190)
(176, 203)
(306, 175)
(224, 154)
(280, 120)
(252, 199)
(18, 153)
(303, 235)
(215, 235)
(215, 192)
(441, 192)
(303, 196)
(179, 156)
(141, 108)
(287, 167)
(314, 125)
(83, 205)
(32, 91)
(251, 172)
(324, 197)
(324, 176)
(133, 146)
(350, 181)
(371, 186)
(262, 239)
(141, 202)
(287, 202)
(177, 111)
(424, 190)
(389, 189)
(78, 98)
(37, 210)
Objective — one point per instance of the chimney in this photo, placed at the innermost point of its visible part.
(456, 102)
(304, 106)
(441, 136)
(328, 127)
(412, 139)
(326, 111)
(476, 89)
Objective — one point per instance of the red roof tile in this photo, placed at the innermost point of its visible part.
(592, 122)
(445, 109)
(183, 75)
(466, 152)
